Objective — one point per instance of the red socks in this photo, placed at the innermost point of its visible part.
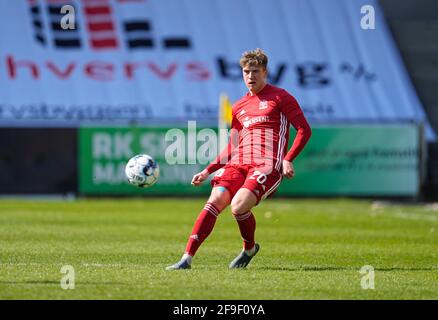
(205, 223)
(202, 228)
(247, 226)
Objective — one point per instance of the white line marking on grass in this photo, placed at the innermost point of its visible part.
(101, 265)
(24, 264)
(432, 206)
(414, 216)
(20, 264)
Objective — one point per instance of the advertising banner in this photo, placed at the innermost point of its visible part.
(114, 62)
(342, 160)
(104, 152)
(358, 161)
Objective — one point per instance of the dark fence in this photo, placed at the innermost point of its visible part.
(38, 161)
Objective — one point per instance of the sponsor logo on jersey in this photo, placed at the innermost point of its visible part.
(249, 121)
(263, 105)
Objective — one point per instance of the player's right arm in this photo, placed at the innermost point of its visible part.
(223, 157)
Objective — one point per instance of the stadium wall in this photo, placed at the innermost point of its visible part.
(414, 27)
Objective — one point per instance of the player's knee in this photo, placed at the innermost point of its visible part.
(238, 207)
(219, 199)
(218, 203)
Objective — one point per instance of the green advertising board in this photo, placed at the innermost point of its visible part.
(359, 161)
(104, 152)
(343, 160)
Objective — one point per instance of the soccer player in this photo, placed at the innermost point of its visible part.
(251, 167)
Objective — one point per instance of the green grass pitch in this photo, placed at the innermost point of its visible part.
(310, 249)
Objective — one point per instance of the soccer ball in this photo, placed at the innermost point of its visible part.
(142, 171)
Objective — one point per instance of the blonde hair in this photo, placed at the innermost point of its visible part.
(255, 57)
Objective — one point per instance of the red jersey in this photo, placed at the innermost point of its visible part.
(260, 130)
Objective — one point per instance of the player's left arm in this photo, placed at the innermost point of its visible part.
(292, 110)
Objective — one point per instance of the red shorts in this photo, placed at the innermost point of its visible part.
(233, 177)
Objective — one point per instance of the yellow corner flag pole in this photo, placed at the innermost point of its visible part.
(225, 112)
